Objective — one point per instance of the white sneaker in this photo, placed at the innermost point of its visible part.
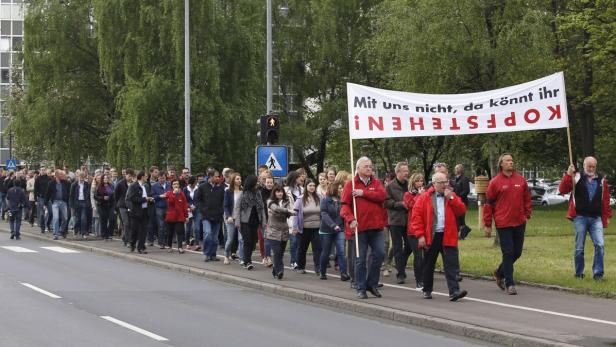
(241, 262)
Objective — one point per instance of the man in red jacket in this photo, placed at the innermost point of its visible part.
(434, 223)
(589, 209)
(368, 195)
(508, 202)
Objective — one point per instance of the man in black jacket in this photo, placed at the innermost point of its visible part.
(79, 201)
(58, 193)
(138, 199)
(40, 190)
(461, 187)
(209, 199)
(120, 202)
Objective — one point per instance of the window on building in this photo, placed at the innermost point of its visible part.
(17, 43)
(5, 27)
(4, 92)
(18, 27)
(5, 75)
(5, 43)
(5, 59)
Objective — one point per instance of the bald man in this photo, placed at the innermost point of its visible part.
(589, 210)
(433, 222)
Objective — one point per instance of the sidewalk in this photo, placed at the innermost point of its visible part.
(535, 317)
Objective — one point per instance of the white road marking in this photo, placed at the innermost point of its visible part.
(42, 291)
(61, 249)
(19, 249)
(134, 328)
(489, 302)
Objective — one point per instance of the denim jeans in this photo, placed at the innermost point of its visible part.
(293, 248)
(160, 225)
(401, 249)
(210, 238)
(375, 240)
(60, 216)
(278, 248)
(43, 218)
(15, 222)
(81, 217)
(512, 243)
(232, 234)
(104, 215)
(126, 229)
(307, 237)
(326, 241)
(594, 227)
(188, 229)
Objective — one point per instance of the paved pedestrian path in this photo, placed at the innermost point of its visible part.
(548, 315)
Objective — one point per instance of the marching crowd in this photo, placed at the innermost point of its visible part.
(352, 218)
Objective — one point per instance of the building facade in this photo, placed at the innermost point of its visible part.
(11, 63)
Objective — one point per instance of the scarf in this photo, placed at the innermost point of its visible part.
(251, 199)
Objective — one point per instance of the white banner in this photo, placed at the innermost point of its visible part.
(379, 113)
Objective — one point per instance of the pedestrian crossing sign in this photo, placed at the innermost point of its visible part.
(275, 158)
(11, 164)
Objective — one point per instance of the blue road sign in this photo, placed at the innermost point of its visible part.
(11, 164)
(276, 159)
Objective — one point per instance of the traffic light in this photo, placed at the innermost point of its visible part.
(270, 126)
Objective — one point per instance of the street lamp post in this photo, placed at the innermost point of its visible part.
(186, 85)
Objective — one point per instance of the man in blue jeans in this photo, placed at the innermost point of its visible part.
(209, 199)
(58, 194)
(362, 209)
(589, 209)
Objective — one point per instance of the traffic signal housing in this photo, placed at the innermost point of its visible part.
(270, 127)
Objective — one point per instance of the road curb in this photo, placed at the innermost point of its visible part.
(329, 301)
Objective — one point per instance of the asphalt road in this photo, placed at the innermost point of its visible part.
(50, 298)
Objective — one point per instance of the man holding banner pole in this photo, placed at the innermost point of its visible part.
(365, 195)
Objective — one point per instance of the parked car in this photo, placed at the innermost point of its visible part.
(536, 195)
(553, 197)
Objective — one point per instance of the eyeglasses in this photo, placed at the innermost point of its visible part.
(440, 182)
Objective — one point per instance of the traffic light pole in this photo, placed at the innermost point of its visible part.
(269, 57)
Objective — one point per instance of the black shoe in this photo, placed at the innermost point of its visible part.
(400, 280)
(457, 295)
(12, 236)
(344, 277)
(597, 277)
(207, 260)
(214, 259)
(17, 237)
(234, 257)
(323, 276)
(500, 282)
(301, 271)
(374, 292)
(250, 266)
(459, 278)
(580, 276)
(380, 285)
(143, 252)
(362, 295)
(427, 295)
(280, 274)
(464, 231)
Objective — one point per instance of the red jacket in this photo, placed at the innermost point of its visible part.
(177, 207)
(566, 186)
(409, 202)
(507, 201)
(370, 211)
(422, 218)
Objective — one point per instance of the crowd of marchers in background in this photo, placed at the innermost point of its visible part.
(349, 219)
